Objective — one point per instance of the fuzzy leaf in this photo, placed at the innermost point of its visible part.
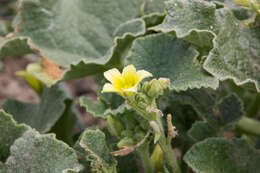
(9, 132)
(201, 130)
(85, 39)
(41, 153)
(166, 56)
(96, 109)
(230, 109)
(40, 116)
(153, 6)
(183, 16)
(223, 112)
(92, 146)
(7, 47)
(191, 20)
(219, 155)
(202, 100)
(236, 51)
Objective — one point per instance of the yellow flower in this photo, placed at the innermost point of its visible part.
(125, 83)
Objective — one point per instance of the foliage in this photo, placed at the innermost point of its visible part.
(200, 61)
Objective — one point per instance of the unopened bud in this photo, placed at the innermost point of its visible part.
(146, 86)
(157, 158)
(164, 82)
(155, 89)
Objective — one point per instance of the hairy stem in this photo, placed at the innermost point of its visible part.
(143, 152)
(165, 145)
(169, 155)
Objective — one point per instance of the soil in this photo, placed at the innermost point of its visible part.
(14, 87)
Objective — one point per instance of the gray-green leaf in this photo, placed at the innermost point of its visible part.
(9, 132)
(92, 146)
(201, 130)
(220, 155)
(40, 116)
(236, 51)
(41, 154)
(167, 56)
(96, 109)
(83, 43)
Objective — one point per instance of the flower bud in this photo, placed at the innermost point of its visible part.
(155, 89)
(164, 82)
(157, 158)
(146, 86)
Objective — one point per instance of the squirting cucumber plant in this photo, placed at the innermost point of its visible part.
(178, 86)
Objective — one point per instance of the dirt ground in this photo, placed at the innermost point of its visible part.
(14, 87)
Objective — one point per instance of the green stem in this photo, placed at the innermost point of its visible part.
(249, 125)
(141, 111)
(169, 156)
(143, 152)
(164, 144)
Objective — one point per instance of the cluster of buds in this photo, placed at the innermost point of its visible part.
(155, 87)
(251, 4)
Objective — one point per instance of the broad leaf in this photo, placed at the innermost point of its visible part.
(201, 130)
(166, 56)
(96, 109)
(41, 154)
(230, 109)
(84, 40)
(202, 100)
(3, 28)
(92, 146)
(218, 113)
(124, 35)
(7, 47)
(183, 16)
(219, 155)
(9, 132)
(192, 20)
(236, 47)
(153, 6)
(40, 116)
(236, 51)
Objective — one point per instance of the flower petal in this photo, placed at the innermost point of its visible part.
(129, 70)
(129, 76)
(133, 89)
(109, 88)
(112, 74)
(143, 74)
